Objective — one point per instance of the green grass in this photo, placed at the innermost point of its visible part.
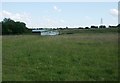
(81, 56)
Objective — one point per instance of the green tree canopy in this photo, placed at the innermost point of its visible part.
(9, 26)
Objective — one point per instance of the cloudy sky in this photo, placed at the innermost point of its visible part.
(61, 14)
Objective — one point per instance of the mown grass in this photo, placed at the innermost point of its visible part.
(81, 56)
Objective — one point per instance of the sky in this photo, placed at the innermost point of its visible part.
(61, 14)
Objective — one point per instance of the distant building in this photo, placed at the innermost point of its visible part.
(45, 32)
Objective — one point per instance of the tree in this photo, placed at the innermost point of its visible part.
(112, 26)
(7, 26)
(94, 27)
(86, 27)
(11, 27)
(80, 27)
(20, 27)
(66, 27)
(102, 26)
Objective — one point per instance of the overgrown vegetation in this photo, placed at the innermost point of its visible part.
(83, 55)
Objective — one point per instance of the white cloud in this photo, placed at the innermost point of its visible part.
(24, 17)
(6, 13)
(57, 9)
(114, 12)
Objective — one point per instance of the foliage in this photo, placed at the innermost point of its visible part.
(9, 26)
(86, 27)
(100, 30)
(94, 26)
(102, 26)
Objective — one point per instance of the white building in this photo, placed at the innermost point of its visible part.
(45, 32)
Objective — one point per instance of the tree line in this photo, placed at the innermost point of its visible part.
(9, 26)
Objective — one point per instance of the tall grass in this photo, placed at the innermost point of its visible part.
(81, 57)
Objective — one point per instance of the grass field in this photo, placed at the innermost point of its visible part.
(81, 56)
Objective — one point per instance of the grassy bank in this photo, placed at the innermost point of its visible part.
(81, 56)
